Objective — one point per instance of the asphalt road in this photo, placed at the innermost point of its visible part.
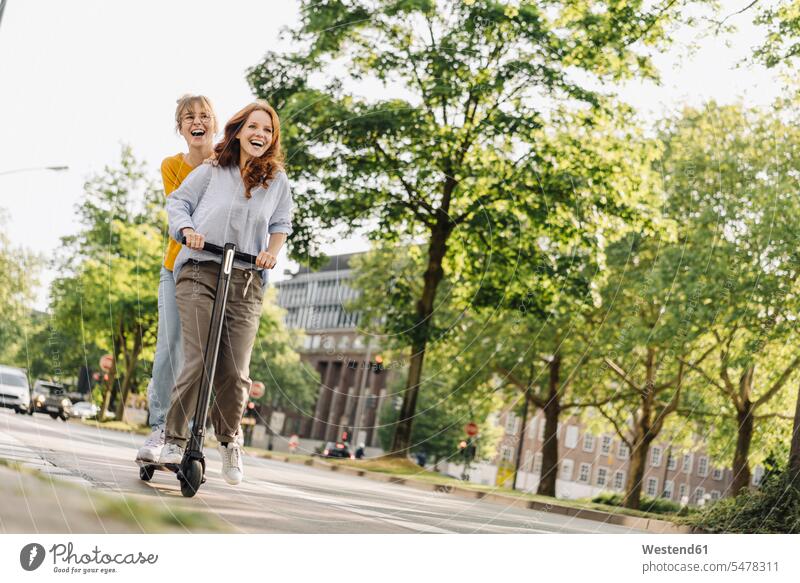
(275, 497)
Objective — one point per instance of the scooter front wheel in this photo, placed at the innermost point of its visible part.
(192, 472)
(146, 473)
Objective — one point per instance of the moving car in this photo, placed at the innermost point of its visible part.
(52, 398)
(337, 449)
(15, 392)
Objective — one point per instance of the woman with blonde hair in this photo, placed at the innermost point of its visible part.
(242, 198)
(196, 123)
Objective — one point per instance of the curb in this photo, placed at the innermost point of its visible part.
(648, 524)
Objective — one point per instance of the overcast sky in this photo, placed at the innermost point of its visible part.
(79, 78)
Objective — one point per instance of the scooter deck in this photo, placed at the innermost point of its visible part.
(158, 466)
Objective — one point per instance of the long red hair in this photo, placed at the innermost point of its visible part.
(258, 171)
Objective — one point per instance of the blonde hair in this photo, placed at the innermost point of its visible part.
(186, 102)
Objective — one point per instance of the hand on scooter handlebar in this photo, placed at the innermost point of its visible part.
(192, 239)
(239, 255)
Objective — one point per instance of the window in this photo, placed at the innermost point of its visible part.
(758, 475)
(652, 487)
(702, 467)
(669, 488)
(682, 493)
(566, 470)
(506, 453)
(585, 472)
(511, 424)
(672, 462)
(526, 467)
(602, 476)
(532, 428)
(718, 473)
(571, 437)
(605, 444)
(537, 463)
(541, 431)
(714, 495)
(623, 451)
(588, 442)
(655, 457)
(699, 493)
(687, 463)
(619, 480)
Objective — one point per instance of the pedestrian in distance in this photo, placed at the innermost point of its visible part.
(196, 123)
(244, 198)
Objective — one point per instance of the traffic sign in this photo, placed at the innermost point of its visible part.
(471, 428)
(257, 390)
(106, 362)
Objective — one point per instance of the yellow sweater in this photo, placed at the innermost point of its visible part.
(173, 170)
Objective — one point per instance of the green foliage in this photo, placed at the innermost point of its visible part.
(772, 508)
(106, 298)
(730, 172)
(289, 383)
(459, 154)
(18, 278)
(648, 504)
(782, 22)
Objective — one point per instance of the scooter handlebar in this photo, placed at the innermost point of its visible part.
(217, 250)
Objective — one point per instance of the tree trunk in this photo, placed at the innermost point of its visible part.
(636, 468)
(744, 436)
(433, 276)
(794, 452)
(552, 411)
(521, 437)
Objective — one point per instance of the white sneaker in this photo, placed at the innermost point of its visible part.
(171, 454)
(232, 470)
(151, 450)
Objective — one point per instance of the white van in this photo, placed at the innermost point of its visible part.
(15, 392)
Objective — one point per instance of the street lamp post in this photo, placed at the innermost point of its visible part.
(35, 168)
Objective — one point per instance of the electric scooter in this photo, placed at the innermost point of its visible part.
(191, 471)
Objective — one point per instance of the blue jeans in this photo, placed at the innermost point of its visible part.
(168, 360)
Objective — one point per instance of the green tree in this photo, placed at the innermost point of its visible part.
(108, 291)
(19, 270)
(732, 172)
(472, 84)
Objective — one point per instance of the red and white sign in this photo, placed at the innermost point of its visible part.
(257, 390)
(471, 429)
(294, 442)
(106, 363)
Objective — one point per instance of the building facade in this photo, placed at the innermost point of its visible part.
(590, 464)
(350, 388)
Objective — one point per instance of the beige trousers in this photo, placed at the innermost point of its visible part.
(195, 290)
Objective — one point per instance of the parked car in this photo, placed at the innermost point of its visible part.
(337, 449)
(85, 410)
(15, 392)
(55, 403)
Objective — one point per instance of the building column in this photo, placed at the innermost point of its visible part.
(332, 428)
(323, 404)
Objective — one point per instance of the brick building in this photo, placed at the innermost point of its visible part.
(590, 463)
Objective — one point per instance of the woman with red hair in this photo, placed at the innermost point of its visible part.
(242, 198)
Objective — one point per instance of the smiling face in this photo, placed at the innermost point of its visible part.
(197, 126)
(256, 135)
